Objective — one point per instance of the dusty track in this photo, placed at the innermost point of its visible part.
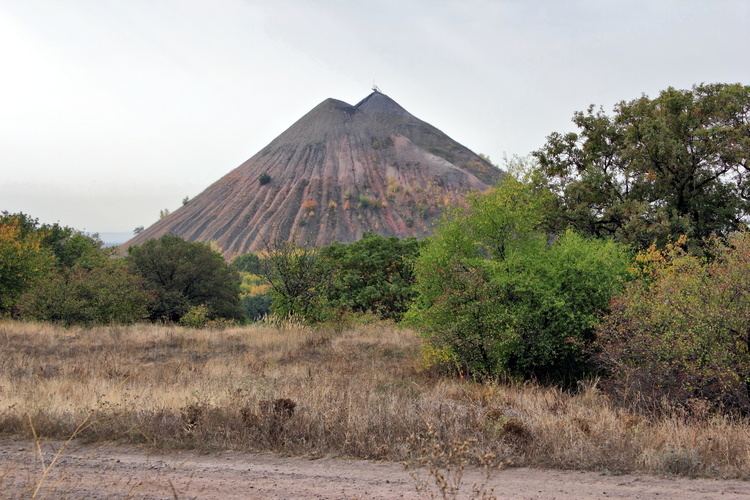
(112, 471)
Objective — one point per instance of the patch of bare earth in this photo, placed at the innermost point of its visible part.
(111, 471)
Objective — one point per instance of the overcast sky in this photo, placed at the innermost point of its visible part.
(111, 110)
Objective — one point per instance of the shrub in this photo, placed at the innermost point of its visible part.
(374, 274)
(195, 317)
(368, 202)
(296, 282)
(681, 332)
(256, 306)
(23, 260)
(264, 179)
(253, 284)
(55, 273)
(182, 274)
(100, 294)
(30, 252)
(497, 298)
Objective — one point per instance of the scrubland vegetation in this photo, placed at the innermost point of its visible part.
(362, 392)
(591, 311)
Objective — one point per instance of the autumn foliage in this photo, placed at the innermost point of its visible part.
(679, 334)
(23, 260)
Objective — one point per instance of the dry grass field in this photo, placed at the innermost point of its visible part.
(358, 393)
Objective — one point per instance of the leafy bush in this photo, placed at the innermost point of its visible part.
(253, 284)
(374, 274)
(498, 299)
(264, 179)
(681, 332)
(182, 274)
(31, 253)
(195, 317)
(103, 293)
(256, 306)
(368, 202)
(23, 260)
(296, 282)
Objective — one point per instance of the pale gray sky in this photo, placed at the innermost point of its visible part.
(111, 110)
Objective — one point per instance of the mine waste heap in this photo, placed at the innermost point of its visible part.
(338, 172)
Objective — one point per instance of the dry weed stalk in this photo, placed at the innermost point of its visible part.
(46, 469)
(445, 464)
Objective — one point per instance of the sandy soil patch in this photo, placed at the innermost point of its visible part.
(114, 471)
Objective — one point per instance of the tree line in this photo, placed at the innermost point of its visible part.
(55, 273)
(618, 250)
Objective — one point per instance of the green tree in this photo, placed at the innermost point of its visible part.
(68, 246)
(56, 273)
(23, 259)
(374, 274)
(247, 263)
(296, 280)
(72, 247)
(180, 274)
(656, 168)
(499, 296)
(256, 306)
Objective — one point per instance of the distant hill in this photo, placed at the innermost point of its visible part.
(336, 173)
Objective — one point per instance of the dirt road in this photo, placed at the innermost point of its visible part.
(113, 471)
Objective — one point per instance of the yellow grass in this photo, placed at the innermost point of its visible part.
(359, 393)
